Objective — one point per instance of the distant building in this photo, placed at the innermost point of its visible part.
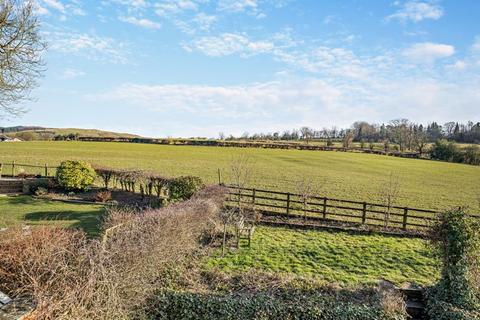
(4, 138)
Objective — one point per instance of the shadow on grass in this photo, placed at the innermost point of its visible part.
(22, 199)
(88, 220)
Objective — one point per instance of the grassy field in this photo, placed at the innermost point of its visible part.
(356, 176)
(333, 256)
(29, 211)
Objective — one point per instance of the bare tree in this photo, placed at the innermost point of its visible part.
(348, 140)
(241, 172)
(307, 188)
(389, 192)
(20, 54)
(399, 129)
(306, 133)
(420, 139)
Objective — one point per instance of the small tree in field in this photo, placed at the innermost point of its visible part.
(241, 172)
(389, 191)
(348, 140)
(306, 188)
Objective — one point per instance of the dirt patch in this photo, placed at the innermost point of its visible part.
(120, 197)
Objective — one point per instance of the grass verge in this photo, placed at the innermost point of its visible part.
(333, 256)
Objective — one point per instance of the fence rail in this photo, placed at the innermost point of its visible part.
(314, 208)
(14, 169)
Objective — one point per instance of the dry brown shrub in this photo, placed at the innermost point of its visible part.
(71, 277)
(102, 196)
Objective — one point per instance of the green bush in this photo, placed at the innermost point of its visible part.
(183, 188)
(75, 175)
(456, 240)
(292, 305)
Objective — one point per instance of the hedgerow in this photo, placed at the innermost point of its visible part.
(290, 305)
(183, 188)
(456, 240)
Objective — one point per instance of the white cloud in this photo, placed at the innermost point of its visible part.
(170, 7)
(300, 101)
(68, 74)
(89, 46)
(79, 12)
(54, 4)
(259, 99)
(229, 43)
(417, 11)
(428, 52)
(144, 23)
(237, 5)
(41, 10)
(476, 45)
(204, 21)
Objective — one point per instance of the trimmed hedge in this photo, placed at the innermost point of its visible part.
(75, 175)
(293, 305)
(183, 188)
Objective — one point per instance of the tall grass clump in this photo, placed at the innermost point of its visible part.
(71, 277)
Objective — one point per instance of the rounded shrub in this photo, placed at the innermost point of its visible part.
(183, 188)
(75, 175)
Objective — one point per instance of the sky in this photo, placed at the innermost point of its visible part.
(185, 68)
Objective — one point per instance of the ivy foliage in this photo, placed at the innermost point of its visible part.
(75, 175)
(261, 306)
(456, 240)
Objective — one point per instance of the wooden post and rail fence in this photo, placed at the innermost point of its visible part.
(14, 169)
(290, 206)
(286, 205)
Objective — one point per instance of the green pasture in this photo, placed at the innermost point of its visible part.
(332, 256)
(423, 183)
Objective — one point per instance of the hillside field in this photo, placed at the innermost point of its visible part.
(356, 176)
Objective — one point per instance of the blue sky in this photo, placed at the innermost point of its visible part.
(199, 67)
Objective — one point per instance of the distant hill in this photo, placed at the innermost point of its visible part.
(42, 132)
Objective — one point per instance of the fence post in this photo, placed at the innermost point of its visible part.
(46, 170)
(324, 208)
(253, 195)
(288, 203)
(364, 213)
(1, 168)
(13, 169)
(219, 177)
(405, 216)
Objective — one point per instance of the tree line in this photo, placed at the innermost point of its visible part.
(403, 132)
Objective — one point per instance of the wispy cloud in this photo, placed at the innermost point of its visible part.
(54, 4)
(175, 6)
(417, 11)
(142, 22)
(306, 101)
(69, 73)
(90, 46)
(227, 44)
(237, 5)
(428, 52)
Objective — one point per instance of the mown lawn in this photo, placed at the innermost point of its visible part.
(333, 256)
(26, 210)
(423, 184)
